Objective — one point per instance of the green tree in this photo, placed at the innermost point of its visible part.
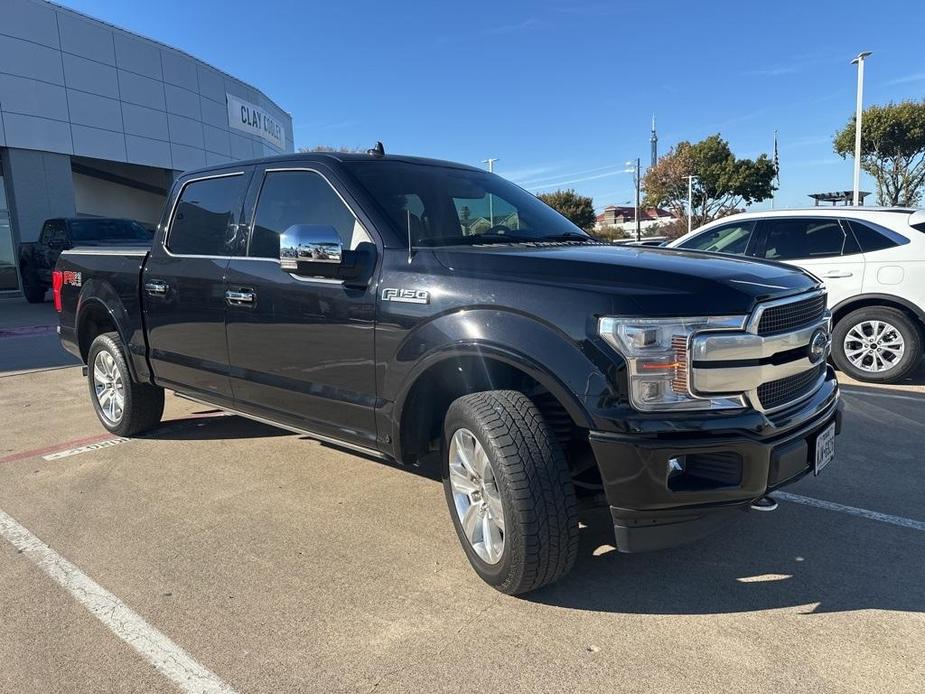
(578, 209)
(724, 182)
(892, 150)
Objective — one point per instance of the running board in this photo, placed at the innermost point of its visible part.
(288, 427)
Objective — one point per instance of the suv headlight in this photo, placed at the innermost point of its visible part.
(657, 353)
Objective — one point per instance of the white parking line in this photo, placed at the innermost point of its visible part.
(67, 453)
(875, 393)
(166, 656)
(852, 510)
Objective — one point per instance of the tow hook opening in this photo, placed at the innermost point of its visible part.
(765, 503)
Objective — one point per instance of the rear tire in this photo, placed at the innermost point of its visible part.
(123, 406)
(876, 344)
(522, 480)
(34, 294)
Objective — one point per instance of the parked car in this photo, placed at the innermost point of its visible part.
(37, 259)
(872, 261)
(347, 297)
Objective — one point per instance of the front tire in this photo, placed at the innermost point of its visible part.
(509, 491)
(876, 344)
(123, 406)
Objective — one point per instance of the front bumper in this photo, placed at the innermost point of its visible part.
(654, 507)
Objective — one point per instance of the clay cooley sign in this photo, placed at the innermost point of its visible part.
(244, 116)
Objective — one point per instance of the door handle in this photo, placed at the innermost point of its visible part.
(156, 287)
(241, 297)
(834, 274)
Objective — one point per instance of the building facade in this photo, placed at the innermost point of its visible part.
(98, 121)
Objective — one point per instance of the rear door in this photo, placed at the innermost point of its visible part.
(183, 285)
(301, 349)
(821, 245)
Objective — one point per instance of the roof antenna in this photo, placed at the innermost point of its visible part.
(377, 151)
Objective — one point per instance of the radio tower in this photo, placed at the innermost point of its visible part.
(654, 141)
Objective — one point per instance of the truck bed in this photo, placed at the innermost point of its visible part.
(104, 284)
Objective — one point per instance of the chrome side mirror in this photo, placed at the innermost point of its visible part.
(311, 250)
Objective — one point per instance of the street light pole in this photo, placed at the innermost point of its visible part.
(491, 203)
(690, 200)
(859, 61)
(638, 228)
(633, 168)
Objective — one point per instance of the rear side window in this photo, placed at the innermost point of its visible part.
(299, 197)
(206, 211)
(728, 238)
(871, 239)
(792, 239)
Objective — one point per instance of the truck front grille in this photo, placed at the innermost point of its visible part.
(776, 361)
(783, 391)
(787, 317)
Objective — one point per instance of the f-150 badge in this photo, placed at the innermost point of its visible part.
(406, 296)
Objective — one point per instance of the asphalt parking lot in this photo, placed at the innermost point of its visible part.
(268, 562)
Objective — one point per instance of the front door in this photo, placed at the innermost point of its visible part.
(183, 287)
(301, 349)
(820, 245)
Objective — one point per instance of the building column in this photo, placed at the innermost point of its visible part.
(39, 185)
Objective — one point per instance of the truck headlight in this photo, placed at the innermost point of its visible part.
(658, 359)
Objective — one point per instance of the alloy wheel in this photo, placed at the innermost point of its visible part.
(874, 346)
(476, 497)
(108, 386)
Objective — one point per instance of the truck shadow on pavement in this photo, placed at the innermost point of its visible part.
(796, 557)
(212, 425)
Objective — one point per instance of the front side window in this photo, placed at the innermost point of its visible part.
(205, 213)
(299, 197)
(443, 205)
(728, 238)
(791, 239)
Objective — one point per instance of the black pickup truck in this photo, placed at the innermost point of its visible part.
(430, 313)
(37, 259)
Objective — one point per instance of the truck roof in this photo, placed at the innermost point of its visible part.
(320, 157)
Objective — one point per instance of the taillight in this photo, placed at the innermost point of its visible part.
(57, 281)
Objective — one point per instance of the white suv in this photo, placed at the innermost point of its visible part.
(872, 261)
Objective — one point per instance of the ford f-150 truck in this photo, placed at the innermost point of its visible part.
(427, 313)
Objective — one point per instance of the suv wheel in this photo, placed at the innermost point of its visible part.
(876, 344)
(123, 406)
(509, 490)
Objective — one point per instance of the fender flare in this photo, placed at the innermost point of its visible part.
(449, 336)
(99, 294)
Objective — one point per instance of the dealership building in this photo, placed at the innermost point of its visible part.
(96, 121)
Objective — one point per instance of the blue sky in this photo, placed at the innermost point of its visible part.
(562, 92)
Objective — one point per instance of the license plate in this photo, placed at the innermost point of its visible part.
(825, 447)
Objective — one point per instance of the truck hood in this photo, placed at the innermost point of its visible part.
(646, 281)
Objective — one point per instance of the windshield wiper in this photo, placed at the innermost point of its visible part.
(474, 240)
(567, 236)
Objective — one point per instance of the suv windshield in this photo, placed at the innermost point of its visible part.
(443, 206)
(108, 230)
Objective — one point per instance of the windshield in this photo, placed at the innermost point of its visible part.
(444, 206)
(108, 230)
